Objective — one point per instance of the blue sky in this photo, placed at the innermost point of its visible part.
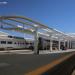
(59, 14)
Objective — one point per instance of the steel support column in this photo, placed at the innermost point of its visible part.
(59, 45)
(68, 44)
(51, 42)
(36, 51)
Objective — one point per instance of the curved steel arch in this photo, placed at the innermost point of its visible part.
(15, 27)
(25, 18)
(14, 18)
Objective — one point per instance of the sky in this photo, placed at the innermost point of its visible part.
(58, 14)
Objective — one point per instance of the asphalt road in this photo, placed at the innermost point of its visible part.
(17, 64)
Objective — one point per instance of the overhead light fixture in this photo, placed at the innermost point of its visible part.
(19, 26)
(48, 30)
(35, 25)
(44, 34)
(54, 37)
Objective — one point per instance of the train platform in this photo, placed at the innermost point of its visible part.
(32, 52)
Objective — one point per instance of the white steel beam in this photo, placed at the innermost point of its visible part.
(59, 45)
(51, 42)
(35, 42)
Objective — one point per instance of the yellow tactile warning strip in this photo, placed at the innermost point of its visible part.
(47, 67)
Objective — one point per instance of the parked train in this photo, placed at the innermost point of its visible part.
(12, 42)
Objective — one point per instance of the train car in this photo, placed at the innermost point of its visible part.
(12, 42)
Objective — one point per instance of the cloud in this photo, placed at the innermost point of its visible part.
(3, 2)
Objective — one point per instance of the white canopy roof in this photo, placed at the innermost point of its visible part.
(27, 25)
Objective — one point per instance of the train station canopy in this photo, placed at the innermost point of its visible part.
(29, 26)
